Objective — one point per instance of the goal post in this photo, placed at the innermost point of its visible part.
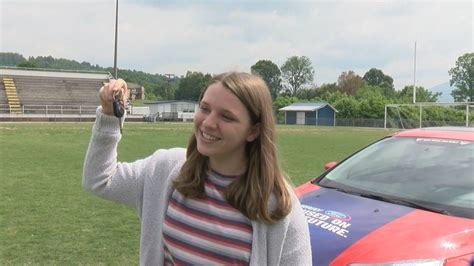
(429, 114)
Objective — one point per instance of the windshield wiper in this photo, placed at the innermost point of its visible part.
(405, 202)
(408, 203)
(339, 189)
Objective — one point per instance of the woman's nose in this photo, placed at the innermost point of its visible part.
(210, 121)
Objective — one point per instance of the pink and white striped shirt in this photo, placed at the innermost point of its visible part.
(206, 230)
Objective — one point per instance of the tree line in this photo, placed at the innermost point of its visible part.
(352, 95)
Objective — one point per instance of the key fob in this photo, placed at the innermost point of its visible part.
(117, 104)
(119, 110)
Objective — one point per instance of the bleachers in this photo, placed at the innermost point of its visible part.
(53, 95)
(3, 94)
(53, 91)
(57, 90)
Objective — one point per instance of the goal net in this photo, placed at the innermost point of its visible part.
(429, 115)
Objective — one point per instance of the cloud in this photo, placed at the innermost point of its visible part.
(214, 36)
(67, 29)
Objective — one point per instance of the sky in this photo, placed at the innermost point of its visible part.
(213, 36)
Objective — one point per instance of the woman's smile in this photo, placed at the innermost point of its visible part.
(209, 137)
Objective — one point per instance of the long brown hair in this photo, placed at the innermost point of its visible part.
(250, 193)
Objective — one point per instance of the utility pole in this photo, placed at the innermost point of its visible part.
(168, 89)
(116, 36)
(414, 77)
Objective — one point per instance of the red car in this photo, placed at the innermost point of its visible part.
(407, 199)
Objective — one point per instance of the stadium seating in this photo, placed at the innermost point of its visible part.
(51, 92)
(11, 95)
(3, 94)
(51, 95)
(57, 90)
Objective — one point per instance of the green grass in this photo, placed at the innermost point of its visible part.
(46, 217)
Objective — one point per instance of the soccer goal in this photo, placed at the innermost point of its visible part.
(429, 115)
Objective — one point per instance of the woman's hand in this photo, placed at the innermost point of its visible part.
(107, 92)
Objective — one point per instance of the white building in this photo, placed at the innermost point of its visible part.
(173, 110)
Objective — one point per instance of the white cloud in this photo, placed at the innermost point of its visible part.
(66, 29)
(215, 36)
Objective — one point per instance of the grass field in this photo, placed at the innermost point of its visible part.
(46, 217)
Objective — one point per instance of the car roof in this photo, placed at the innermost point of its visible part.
(458, 133)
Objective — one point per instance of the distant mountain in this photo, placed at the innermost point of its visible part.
(445, 89)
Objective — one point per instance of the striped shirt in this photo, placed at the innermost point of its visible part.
(206, 230)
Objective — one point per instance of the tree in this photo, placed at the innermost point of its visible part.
(270, 73)
(191, 86)
(283, 101)
(375, 77)
(349, 82)
(372, 106)
(366, 90)
(316, 93)
(327, 88)
(280, 102)
(11, 59)
(346, 105)
(422, 95)
(297, 71)
(28, 64)
(462, 76)
(308, 93)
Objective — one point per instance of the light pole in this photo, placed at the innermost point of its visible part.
(414, 77)
(169, 76)
(116, 36)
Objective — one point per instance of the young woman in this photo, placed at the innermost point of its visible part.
(223, 200)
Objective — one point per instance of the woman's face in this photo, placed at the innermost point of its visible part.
(222, 127)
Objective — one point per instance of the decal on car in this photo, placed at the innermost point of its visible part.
(343, 220)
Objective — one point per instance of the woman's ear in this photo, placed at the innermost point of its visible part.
(254, 132)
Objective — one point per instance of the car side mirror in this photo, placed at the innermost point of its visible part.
(329, 165)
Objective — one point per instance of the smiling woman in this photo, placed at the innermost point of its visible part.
(224, 200)
(222, 128)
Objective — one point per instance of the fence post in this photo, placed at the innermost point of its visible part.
(420, 114)
(467, 115)
(46, 109)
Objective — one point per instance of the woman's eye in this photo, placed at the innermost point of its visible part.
(228, 118)
(204, 109)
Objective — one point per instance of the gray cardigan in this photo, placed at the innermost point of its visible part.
(146, 185)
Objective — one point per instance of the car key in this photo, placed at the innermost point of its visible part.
(119, 108)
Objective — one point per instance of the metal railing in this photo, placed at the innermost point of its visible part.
(51, 109)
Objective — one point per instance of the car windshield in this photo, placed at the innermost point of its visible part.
(435, 173)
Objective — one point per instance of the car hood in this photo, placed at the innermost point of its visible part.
(345, 228)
